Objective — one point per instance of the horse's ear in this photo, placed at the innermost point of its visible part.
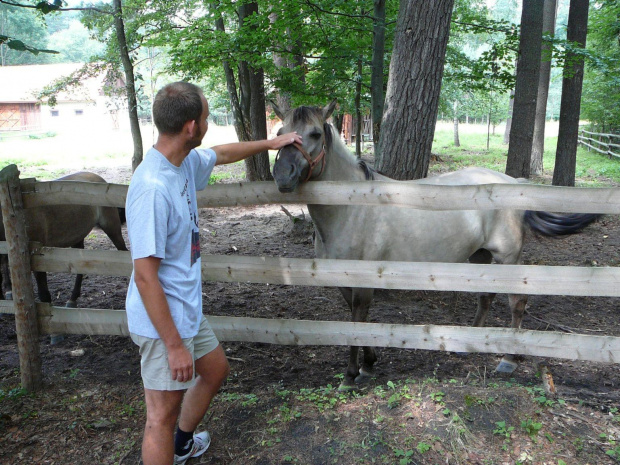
(277, 110)
(329, 109)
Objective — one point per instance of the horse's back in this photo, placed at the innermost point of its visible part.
(468, 176)
(82, 176)
(397, 233)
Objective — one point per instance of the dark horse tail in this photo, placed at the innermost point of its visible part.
(553, 224)
(121, 214)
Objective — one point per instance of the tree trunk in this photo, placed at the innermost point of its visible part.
(256, 167)
(358, 110)
(231, 86)
(376, 77)
(130, 85)
(570, 107)
(526, 91)
(457, 142)
(538, 147)
(414, 84)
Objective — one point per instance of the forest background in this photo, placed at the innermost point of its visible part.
(243, 53)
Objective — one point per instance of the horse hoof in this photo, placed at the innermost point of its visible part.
(56, 338)
(344, 387)
(364, 377)
(506, 366)
(71, 304)
(8, 296)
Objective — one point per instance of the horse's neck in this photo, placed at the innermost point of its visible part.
(341, 165)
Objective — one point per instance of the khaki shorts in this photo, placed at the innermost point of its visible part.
(154, 365)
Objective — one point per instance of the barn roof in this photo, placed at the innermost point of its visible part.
(20, 84)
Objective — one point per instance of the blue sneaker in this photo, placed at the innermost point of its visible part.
(200, 445)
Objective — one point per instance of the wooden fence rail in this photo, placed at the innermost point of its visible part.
(465, 277)
(420, 196)
(603, 144)
(387, 275)
(338, 333)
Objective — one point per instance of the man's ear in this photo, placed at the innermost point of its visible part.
(189, 127)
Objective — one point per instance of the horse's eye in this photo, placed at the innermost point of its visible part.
(315, 135)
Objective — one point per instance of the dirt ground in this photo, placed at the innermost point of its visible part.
(280, 405)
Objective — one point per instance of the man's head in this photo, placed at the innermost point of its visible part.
(177, 104)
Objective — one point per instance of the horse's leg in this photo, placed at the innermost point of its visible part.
(482, 256)
(359, 301)
(517, 303)
(42, 289)
(511, 255)
(45, 296)
(5, 276)
(109, 220)
(77, 287)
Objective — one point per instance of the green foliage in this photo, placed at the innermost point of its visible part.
(13, 394)
(502, 430)
(423, 447)
(23, 30)
(531, 427)
(404, 457)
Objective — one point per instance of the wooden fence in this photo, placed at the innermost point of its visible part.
(525, 279)
(608, 144)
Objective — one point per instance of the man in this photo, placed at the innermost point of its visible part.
(182, 363)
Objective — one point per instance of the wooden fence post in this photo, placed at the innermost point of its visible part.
(26, 323)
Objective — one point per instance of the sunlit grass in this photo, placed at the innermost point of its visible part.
(592, 169)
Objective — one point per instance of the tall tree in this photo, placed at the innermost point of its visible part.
(526, 90)
(538, 147)
(130, 85)
(377, 95)
(566, 152)
(414, 85)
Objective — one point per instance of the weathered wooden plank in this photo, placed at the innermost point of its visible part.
(303, 332)
(61, 320)
(4, 247)
(75, 192)
(466, 277)
(428, 337)
(426, 197)
(7, 306)
(14, 220)
(80, 261)
(516, 279)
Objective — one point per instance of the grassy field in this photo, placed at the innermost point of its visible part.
(51, 155)
(593, 169)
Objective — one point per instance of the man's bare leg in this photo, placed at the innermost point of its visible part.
(162, 411)
(211, 371)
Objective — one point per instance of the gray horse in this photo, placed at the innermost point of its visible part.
(402, 234)
(65, 226)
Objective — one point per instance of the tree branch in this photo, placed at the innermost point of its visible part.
(54, 8)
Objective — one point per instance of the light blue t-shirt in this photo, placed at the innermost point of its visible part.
(162, 222)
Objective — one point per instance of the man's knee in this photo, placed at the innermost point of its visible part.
(162, 407)
(213, 367)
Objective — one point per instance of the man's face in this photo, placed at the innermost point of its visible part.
(202, 124)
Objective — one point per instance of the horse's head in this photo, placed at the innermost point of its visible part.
(300, 163)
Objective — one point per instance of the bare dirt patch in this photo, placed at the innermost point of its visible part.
(280, 404)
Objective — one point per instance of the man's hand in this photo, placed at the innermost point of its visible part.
(231, 153)
(181, 363)
(284, 140)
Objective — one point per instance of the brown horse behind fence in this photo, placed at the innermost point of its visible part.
(64, 226)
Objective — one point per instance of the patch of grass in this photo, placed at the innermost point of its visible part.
(592, 169)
